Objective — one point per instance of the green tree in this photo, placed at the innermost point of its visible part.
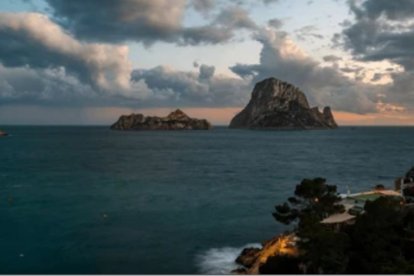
(313, 201)
(324, 250)
(378, 239)
(281, 264)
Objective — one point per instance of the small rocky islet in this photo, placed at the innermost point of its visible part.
(276, 104)
(176, 120)
(3, 133)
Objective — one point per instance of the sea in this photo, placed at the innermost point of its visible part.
(88, 200)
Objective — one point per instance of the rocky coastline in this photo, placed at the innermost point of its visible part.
(276, 104)
(252, 258)
(176, 120)
(332, 231)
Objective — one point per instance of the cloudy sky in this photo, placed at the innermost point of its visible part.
(88, 61)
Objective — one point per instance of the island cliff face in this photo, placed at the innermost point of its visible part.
(278, 104)
(176, 120)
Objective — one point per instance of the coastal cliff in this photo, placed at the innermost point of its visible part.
(176, 120)
(278, 104)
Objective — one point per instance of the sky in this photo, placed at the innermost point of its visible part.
(87, 62)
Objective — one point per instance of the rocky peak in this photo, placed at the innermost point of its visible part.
(410, 173)
(329, 118)
(178, 114)
(278, 104)
(278, 94)
(327, 111)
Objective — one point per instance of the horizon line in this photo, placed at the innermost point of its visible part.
(218, 125)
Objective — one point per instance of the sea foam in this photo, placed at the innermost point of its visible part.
(220, 260)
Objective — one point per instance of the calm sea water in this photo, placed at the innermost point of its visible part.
(91, 200)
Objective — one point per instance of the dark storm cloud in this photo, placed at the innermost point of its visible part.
(331, 58)
(53, 88)
(204, 35)
(353, 69)
(307, 32)
(275, 23)
(31, 39)
(235, 18)
(383, 30)
(147, 21)
(245, 70)
(249, 2)
(20, 49)
(120, 20)
(400, 91)
(203, 6)
(393, 10)
(377, 77)
(170, 87)
(45, 87)
(220, 30)
(270, 1)
(206, 72)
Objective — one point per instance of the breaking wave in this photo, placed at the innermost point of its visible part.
(220, 260)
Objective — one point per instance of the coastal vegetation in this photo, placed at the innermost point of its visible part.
(378, 240)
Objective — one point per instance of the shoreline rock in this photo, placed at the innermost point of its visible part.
(248, 256)
(176, 120)
(276, 104)
(3, 133)
(253, 258)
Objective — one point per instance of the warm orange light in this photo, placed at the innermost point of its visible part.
(379, 118)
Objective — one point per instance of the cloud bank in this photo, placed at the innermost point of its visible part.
(31, 39)
(384, 31)
(79, 57)
(115, 21)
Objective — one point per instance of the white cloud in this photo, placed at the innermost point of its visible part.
(31, 39)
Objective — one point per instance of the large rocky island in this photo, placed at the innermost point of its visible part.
(176, 120)
(276, 104)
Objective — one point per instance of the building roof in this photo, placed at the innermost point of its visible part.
(373, 195)
(364, 196)
(338, 218)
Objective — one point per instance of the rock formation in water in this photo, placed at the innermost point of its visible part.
(3, 133)
(176, 120)
(247, 259)
(278, 104)
(252, 259)
(410, 173)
